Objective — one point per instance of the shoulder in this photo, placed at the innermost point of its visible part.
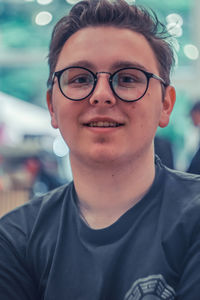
(181, 200)
(21, 220)
(180, 194)
(179, 182)
(183, 183)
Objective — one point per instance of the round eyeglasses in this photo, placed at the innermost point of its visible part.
(128, 84)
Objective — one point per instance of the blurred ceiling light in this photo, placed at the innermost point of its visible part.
(44, 2)
(59, 147)
(175, 29)
(72, 1)
(175, 18)
(191, 51)
(43, 18)
(29, 0)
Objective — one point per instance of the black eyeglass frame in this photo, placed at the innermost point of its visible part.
(147, 74)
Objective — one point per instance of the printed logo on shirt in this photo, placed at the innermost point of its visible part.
(153, 287)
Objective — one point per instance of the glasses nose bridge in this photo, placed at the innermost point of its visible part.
(104, 72)
(102, 92)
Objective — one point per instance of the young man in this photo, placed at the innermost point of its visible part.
(126, 227)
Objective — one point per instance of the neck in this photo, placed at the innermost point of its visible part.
(107, 192)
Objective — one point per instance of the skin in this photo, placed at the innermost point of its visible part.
(112, 167)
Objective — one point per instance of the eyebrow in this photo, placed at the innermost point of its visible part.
(113, 67)
(81, 63)
(127, 64)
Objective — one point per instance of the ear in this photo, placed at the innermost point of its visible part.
(168, 104)
(51, 109)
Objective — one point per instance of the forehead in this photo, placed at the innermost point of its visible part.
(103, 47)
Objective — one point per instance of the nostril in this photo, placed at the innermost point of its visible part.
(95, 101)
(108, 101)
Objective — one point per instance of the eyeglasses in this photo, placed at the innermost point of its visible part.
(128, 84)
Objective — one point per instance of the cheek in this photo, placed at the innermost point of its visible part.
(66, 121)
(68, 132)
(68, 118)
(62, 109)
(62, 115)
(145, 113)
(139, 111)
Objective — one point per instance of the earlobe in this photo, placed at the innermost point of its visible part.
(51, 109)
(168, 104)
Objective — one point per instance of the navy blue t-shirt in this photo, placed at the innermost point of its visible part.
(151, 252)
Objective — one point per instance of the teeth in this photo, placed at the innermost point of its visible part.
(103, 124)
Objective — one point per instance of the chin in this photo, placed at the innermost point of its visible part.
(105, 157)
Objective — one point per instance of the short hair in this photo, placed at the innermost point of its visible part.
(117, 13)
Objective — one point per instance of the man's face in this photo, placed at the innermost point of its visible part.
(105, 49)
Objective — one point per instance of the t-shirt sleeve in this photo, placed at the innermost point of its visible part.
(16, 280)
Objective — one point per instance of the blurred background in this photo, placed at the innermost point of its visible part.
(33, 156)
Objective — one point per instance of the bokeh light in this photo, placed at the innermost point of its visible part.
(43, 18)
(44, 2)
(191, 51)
(175, 29)
(175, 19)
(72, 2)
(130, 1)
(59, 147)
(174, 24)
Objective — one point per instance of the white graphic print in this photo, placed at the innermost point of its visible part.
(153, 287)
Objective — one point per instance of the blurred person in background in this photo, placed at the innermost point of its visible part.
(126, 227)
(44, 174)
(35, 173)
(194, 166)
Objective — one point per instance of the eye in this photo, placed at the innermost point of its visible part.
(76, 78)
(129, 78)
(81, 79)
(126, 80)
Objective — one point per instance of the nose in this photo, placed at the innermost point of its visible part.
(102, 94)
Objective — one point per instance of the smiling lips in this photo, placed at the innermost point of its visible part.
(103, 124)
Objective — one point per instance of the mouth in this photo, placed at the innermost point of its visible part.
(103, 124)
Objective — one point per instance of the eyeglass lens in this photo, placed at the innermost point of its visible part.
(127, 84)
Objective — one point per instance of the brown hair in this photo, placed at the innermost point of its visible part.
(117, 13)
